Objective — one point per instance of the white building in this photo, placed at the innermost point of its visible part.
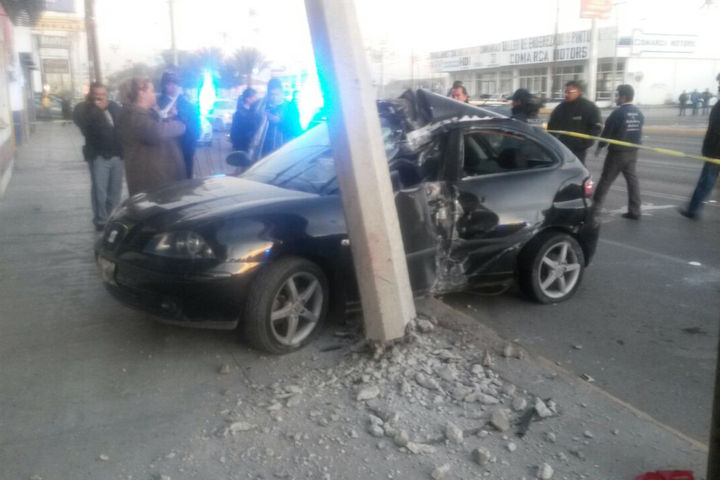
(659, 65)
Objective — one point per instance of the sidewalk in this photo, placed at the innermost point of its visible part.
(90, 389)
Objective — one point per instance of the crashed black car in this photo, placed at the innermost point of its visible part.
(483, 200)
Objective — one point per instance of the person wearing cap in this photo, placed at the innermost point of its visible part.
(625, 124)
(525, 106)
(576, 114)
(172, 100)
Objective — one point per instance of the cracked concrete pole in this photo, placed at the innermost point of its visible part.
(362, 169)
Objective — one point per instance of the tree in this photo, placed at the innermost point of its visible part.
(141, 70)
(247, 61)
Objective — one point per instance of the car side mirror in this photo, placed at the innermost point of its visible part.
(238, 159)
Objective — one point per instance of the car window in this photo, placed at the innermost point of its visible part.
(487, 152)
(224, 105)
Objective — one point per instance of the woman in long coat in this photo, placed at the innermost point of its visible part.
(152, 154)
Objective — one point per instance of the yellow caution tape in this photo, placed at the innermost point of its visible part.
(665, 151)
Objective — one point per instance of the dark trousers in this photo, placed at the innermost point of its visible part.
(581, 154)
(706, 182)
(616, 162)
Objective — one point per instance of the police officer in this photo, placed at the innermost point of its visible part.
(576, 114)
(624, 123)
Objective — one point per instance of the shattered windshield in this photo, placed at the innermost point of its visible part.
(307, 164)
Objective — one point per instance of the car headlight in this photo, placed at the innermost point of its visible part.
(183, 244)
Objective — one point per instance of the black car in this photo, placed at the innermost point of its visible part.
(482, 200)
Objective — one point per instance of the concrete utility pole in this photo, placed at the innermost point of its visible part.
(592, 63)
(713, 466)
(93, 49)
(173, 46)
(362, 169)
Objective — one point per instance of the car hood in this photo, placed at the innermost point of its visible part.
(204, 198)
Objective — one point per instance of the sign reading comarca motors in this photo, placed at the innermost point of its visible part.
(542, 49)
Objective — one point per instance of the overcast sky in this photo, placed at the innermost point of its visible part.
(139, 30)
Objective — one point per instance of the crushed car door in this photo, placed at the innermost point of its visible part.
(505, 182)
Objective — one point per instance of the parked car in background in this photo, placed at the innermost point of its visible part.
(483, 201)
(220, 117)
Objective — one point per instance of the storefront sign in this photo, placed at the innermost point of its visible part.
(67, 6)
(523, 51)
(595, 8)
(55, 65)
(662, 43)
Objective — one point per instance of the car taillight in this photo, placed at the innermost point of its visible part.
(588, 187)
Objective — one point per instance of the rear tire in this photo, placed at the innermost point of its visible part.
(551, 267)
(286, 306)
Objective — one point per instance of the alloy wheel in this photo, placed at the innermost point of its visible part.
(296, 308)
(559, 270)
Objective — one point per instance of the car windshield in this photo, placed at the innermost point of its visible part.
(306, 163)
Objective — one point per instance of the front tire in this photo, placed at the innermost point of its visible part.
(551, 267)
(286, 306)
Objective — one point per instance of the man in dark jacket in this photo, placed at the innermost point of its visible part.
(97, 118)
(245, 121)
(576, 114)
(625, 124)
(709, 174)
(188, 113)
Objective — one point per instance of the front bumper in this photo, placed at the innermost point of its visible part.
(212, 300)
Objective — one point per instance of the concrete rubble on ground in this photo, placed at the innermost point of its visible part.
(431, 396)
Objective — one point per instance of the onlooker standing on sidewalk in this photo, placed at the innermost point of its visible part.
(525, 106)
(576, 114)
(706, 96)
(97, 118)
(695, 101)
(278, 125)
(152, 153)
(709, 174)
(625, 124)
(682, 101)
(188, 113)
(245, 121)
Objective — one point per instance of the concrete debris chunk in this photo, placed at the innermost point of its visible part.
(240, 427)
(368, 393)
(103, 457)
(224, 369)
(509, 389)
(373, 420)
(487, 360)
(425, 326)
(519, 404)
(481, 456)
(440, 473)
(478, 370)
(550, 437)
(511, 447)
(500, 420)
(545, 472)
(509, 351)
(402, 438)
(587, 378)
(588, 434)
(35, 477)
(461, 392)
(294, 400)
(420, 448)
(542, 410)
(447, 373)
(453, 433)
(427, 382)
(376, 430)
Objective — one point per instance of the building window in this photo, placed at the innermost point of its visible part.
(605, 84)
(563, 75)
(485, 84)
(534, 80)
(506, 83)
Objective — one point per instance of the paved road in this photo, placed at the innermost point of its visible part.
(646, 317)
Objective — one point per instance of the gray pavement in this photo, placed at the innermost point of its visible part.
(90, 389)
